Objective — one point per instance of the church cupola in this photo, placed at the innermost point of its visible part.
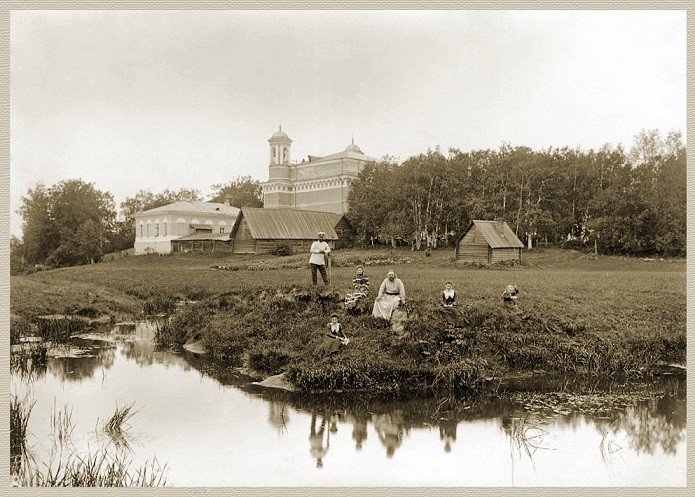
(280, 145)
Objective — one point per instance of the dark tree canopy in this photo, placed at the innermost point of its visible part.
(610, 200)
(66, 224)
(243, 191)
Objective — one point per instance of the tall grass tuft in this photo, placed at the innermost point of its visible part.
(160, 304)
(20, 410)
(100, 469)
(29, 361)
(61, 424)
(59, 329)
(19, 327)
(114, 426)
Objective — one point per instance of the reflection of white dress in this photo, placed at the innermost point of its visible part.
(390, 295)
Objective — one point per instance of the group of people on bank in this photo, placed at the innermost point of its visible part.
(390, 296)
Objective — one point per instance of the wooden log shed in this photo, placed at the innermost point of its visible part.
(488, 242)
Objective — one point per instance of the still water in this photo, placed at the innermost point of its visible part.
(212, 428)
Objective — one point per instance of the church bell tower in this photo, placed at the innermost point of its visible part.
(278, 191)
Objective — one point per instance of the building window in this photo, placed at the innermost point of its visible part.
(221, 229)
(165, 229)
(141, 230)
(156, 230)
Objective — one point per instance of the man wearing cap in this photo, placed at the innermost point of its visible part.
(319, 252)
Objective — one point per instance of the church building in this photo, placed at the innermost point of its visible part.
(316, 183)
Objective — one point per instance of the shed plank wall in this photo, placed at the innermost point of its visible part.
(472, 247)
(505, 254)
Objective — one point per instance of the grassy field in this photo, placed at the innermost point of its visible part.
(585, 314)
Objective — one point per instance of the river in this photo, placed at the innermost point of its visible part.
(212, 428)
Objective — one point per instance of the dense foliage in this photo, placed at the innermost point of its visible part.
(608, 200)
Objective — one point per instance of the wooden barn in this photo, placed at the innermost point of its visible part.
(488, 242)
(260, 231)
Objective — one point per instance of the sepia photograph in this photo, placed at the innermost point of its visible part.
(348, 248)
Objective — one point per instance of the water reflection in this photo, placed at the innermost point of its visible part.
(318, 448)
(447, 433)
(190, 405)
(390, 430)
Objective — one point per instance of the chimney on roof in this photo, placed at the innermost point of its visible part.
(226, 201)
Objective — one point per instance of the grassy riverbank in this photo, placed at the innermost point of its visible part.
(581, 314)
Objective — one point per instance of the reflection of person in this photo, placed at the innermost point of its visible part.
(360, 289)
(359, 429)
(391, 294)
(447, 432)
(316, 440)
(319, 251)
(389, 430)
(333, 339)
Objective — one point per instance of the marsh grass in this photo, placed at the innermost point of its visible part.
(62, 425)
(98, 469)
(28, 360)
(20, 411)
(116, 423)
(526, 437)
(59, 329)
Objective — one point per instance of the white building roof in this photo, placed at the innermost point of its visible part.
(193, 208)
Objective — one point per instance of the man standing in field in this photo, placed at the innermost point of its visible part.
(319, 252)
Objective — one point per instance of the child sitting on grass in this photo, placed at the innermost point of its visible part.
(332, 340)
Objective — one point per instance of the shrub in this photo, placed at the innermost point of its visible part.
(282, 249)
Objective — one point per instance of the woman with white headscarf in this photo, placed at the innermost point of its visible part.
(391, 294)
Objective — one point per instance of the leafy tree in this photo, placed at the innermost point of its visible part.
(373, 199)
(243, 191)
(18, 263)
(39, 232)
(66, 224)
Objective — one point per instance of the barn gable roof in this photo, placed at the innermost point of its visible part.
(497, 234)
(286, 224)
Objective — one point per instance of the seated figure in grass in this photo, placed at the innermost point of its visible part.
(332, 340)
(391, 295)
(510, 294)
(449, 305)
(360, 290)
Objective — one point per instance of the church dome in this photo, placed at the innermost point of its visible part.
(353, 148)
(280, 135)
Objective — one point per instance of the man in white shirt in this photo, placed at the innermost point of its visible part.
(319, 252)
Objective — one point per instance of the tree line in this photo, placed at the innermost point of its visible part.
(72, 222)
(608, 200)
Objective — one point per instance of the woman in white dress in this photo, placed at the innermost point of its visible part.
(391, 295)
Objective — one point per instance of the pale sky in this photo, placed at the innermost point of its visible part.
(132, 100)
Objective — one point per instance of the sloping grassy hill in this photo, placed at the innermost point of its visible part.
(583, 313)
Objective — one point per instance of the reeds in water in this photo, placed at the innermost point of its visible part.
(100, 469)
(114, 427)
(20, 410)
(61, 424)
(59, 329)
(28, 360)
